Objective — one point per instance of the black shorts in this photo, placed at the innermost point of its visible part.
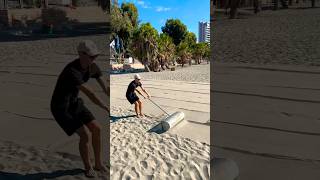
(132, 98)
(72, 117)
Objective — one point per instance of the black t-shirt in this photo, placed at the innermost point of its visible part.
(132, 86)
(73, 75)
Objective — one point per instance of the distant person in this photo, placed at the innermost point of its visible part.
(132, 96)
(69, 110)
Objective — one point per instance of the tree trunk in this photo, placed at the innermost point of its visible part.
(313, 3)
(167, 66)
(227, 6)
(45, 4)
(21, 3)
(234, 4)
(5, 4)
(284, 4)
(275, 4)
(146, 66)
(257, 6)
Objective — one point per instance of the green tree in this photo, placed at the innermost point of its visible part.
(144, 46)
(175, 29)
(132, 11)
(207, 54)
(190, 38)
(200, 51)
(183, 53)
(166, 49)
(121, 26)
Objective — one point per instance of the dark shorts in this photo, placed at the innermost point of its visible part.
(132, 98)
(72, 117)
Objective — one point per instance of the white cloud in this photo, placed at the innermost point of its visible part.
(162, 9)
(143, 4)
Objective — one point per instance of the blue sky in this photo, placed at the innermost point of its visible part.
(190, 12)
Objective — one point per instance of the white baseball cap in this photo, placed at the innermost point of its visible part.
(137, 76)
(88, 47)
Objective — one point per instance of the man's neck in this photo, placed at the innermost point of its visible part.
(83, 65)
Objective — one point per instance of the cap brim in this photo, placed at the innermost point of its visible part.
(95, 53)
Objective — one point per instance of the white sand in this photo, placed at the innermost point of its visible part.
(30, 162)
(137, 154)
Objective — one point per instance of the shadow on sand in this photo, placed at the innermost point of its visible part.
(118, 118)
(78, 29)
(159, 129)
(40, 176)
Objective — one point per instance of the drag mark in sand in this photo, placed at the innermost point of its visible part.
(181, 100)
(278, 70)
(192, 110)
(34, 74)
(267, 97)
(26, 83)
(30, 117)
(269, 128)
(267, 155)
(177, 90)
(297, 88)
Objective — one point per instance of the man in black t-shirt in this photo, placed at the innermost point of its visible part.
(132, 96)
(69, 110)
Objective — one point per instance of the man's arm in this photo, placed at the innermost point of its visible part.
(88, 92)
(104, 88)
(145, 92)
(140, 93)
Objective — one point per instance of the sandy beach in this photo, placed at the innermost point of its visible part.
(265, 100)
(33, 146)
(183, 152)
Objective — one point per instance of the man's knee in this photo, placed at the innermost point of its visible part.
(94, 127)
(83, 134)
(139, 102)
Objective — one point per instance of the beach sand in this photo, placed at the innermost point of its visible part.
(32, 143)
(183, 152)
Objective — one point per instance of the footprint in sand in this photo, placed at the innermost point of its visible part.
(126, 155)
(173, 155)
(144, 164)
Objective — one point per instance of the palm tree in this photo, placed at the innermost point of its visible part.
(144, 45)
(183, 53)
(166, 49)
(199, 51)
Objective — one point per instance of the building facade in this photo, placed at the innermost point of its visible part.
(204, 32)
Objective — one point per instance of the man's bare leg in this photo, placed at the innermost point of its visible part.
(140, 108)
(95, 129)
(84, 148)
(136, 108)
